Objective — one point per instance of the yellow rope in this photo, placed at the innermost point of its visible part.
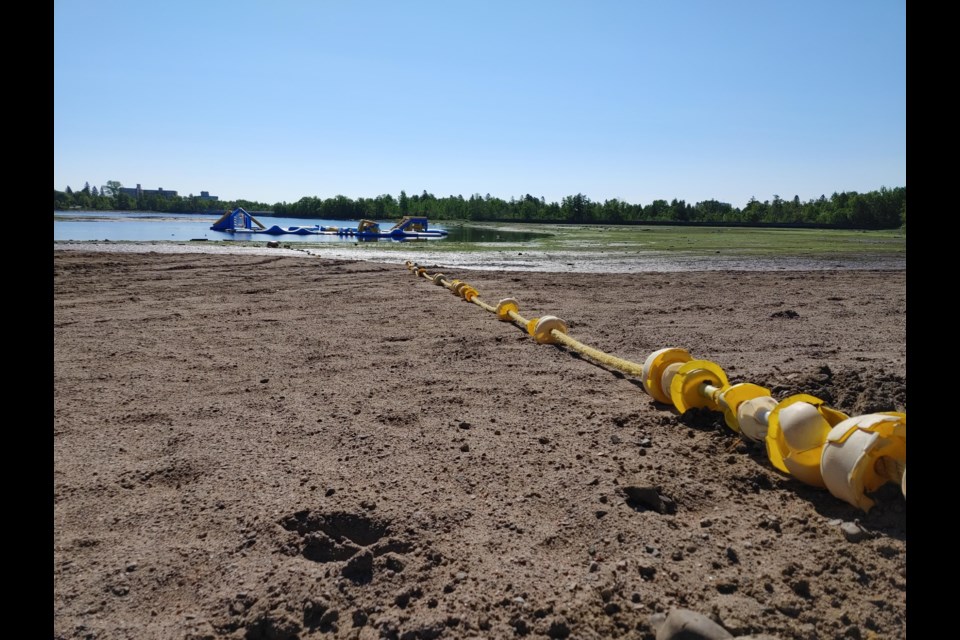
(483, 305)
(620, 364)
(519, 319)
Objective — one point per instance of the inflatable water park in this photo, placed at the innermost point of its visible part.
(240, 221)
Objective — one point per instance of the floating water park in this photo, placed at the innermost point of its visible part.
(409, 227)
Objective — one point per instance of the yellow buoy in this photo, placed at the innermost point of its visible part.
(732, 398)
(795, 439)
(654, 367)
(505, 306)
(544, 327)
(686, 387)
(863, 453)
(753, 417)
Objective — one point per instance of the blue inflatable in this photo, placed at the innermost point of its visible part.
(408, 227)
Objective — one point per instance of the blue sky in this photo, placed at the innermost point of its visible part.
(636, 100)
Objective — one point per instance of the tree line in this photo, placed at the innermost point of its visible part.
(884, 208)
(109, 197)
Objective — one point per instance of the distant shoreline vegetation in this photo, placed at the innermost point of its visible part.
(885, 208)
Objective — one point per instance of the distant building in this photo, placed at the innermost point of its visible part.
(140, 192)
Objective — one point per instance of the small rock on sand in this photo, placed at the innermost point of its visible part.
(683, 624)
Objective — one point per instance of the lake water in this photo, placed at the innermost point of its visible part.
(147, 227)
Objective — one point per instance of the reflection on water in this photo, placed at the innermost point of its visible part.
(147, 227)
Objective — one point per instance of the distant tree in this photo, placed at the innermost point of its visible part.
(776, 209)
(613, 211)
(94, 193)
(456, 208)
(426, 204)
(792, 209)
(476, 207)
(713, 211)
(86, 188)
(69, 191)
(656, 210)
(83, 199)
(754, 211)
(385, 206)
(112, 188)
(339, 208)
(678, 210)
(61, 199)
(576, 208)
(529, 208)
(888, 205)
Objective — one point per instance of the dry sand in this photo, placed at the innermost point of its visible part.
(282, 446)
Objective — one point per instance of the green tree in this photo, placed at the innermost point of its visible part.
(613, 211)
(776, 210)
(61, 200)
(678, 210)
(656, 210)
(576, 208)
(112, 188)
(755, 211)
(713, 211)
(476, 207)
(83, 200)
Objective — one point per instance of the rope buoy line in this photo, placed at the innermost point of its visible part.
(805, 438)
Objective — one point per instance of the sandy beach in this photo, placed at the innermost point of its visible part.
(274, 445)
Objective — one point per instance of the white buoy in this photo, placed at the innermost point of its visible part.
(862, 453)
(668, 375)
(803, 427)
(753, 417)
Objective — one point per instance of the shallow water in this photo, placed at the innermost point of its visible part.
(117, 226)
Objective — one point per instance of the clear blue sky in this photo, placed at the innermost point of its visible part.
(631, 99)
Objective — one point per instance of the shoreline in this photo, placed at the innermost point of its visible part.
(526, 260)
